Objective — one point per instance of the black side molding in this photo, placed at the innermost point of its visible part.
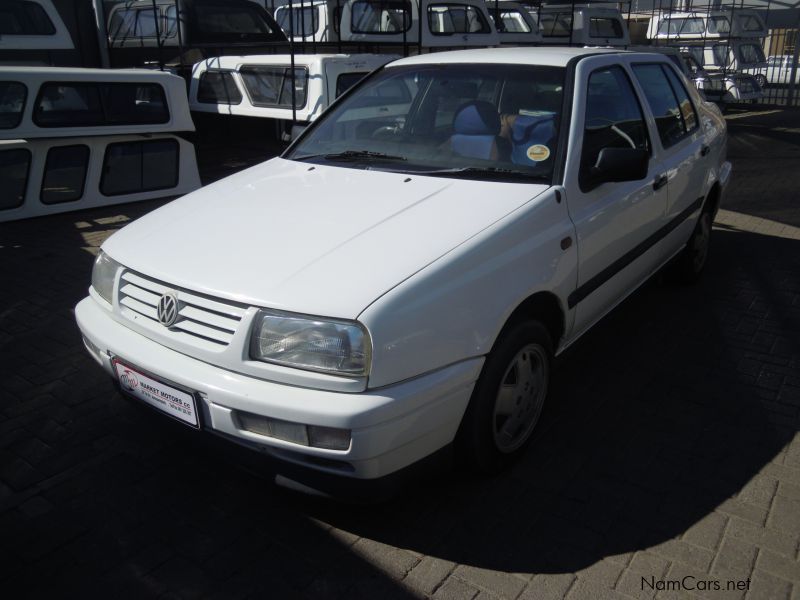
(626, 259)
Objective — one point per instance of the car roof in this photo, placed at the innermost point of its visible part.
(555, 56)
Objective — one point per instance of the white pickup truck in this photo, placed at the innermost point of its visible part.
(401, 278)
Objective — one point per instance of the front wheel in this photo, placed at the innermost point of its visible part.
(508, 398)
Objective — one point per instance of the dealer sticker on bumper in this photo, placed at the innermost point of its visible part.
(166, 398)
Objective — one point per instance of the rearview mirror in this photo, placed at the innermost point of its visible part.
(620, 164)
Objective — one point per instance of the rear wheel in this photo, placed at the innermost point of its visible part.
(692, 260)
(508, 398)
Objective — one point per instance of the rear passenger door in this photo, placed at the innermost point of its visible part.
(680, 146)
(616, 222)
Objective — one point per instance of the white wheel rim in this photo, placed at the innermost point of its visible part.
(520, 398)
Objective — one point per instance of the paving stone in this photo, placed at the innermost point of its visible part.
(428, 574)
(548, 587)
(455, 589)
(777, 540)
(766, 585)
(688, 554)
(781, 566)
(785, 514)
(395, 561)
(503, 585)
(735, 556)
(707, 532)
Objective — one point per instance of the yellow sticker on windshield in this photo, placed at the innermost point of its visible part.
(538, 153)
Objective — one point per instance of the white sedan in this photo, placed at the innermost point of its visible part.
(401, 278)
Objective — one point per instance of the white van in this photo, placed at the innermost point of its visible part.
(79, 138)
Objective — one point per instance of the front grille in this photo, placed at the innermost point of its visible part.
(202, 321)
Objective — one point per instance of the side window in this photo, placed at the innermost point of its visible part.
(131, 167)
(614, 119)
(447, 19)
(103, 104)
(64, 174)
(14, 168)
(688, 112)
(665, 105)
(12, 102)
(21, 17)
(272, 86)
(218, 87)
(347, 80)
(605, 28)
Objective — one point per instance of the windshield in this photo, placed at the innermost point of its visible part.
(485, 121)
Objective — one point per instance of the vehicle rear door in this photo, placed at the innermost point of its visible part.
(680, 145)
(617, 223)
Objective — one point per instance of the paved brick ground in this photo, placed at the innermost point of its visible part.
(670, 448)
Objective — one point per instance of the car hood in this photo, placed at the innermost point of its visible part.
(309, 238)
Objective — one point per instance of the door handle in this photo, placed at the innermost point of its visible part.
(705, 150)
(660, 182)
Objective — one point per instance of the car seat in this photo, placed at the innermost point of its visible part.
(475, 129)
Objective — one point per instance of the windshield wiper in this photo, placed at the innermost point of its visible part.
(353, 155)
(484, 172)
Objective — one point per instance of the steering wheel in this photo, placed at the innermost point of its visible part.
(612, 125)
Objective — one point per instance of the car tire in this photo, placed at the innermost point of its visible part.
(693, 259)
(507, 400)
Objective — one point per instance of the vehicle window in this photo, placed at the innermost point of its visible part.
(218, 87)
(214, 18)
(383, 16)
(555, 24)
(12, 103)
(688, 111)
(447, 19)
(749, 23)
(170, 22)
(347, 80)
(84, 104)
(665, 104)
(681, 26)
(305, 20)
(605, 28)
(614, 119)
(20, 17)
(751, 53)
(131, 167)
(64, 174)
(719, 25)
(14, 167)
(447, 117)
(133, 23)
(272, 85)
(722, 55)
(698, 54)
(508, 20)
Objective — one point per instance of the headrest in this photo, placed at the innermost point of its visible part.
(477, 118)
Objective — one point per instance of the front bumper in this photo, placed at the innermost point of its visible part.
(392, 427)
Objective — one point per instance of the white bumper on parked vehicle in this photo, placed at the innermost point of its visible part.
(391, 427)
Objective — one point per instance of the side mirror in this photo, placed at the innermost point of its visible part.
(620, 164)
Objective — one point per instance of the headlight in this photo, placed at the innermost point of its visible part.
(103, 274)
(340, 347)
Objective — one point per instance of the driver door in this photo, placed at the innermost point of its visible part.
(616, 223)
